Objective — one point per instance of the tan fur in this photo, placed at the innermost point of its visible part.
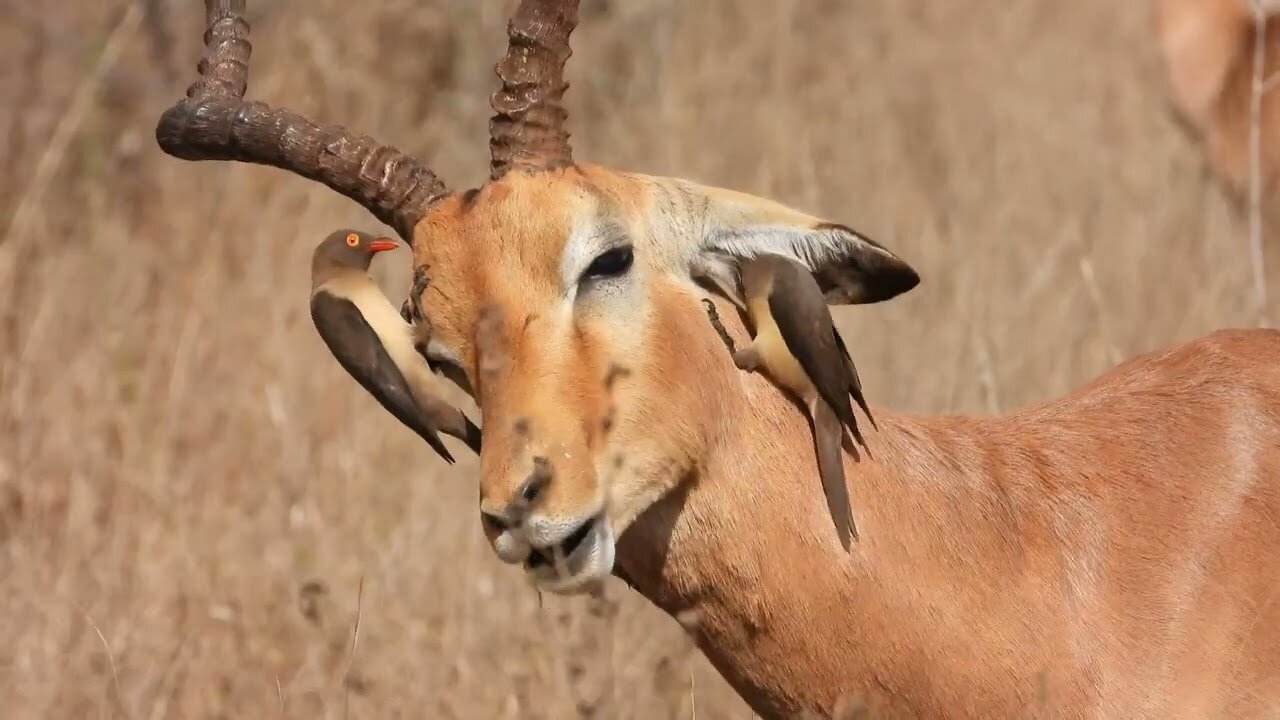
(1112, 553)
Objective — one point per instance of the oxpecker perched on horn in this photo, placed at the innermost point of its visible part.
(797, 344)
(372, 341)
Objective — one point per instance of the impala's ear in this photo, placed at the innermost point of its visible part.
(851, 268)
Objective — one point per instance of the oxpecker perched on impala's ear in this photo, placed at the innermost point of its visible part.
(372, 341)
(796, 343)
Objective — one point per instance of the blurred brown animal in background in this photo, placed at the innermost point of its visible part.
(1116, 547)
(1208, 50)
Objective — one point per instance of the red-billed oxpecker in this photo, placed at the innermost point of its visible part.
(797, 344)
(372, 341)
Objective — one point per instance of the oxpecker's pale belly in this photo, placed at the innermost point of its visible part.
(778, 360)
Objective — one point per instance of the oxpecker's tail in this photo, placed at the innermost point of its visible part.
(433, 439)
(827, 435)
(458, 425)
(471, 436)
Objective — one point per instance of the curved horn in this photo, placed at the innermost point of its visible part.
(214, 122)
(527, 128)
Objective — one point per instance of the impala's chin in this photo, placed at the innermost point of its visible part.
(579, 564)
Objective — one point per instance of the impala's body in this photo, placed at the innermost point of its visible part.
(1114, 553)
(1117, 547)
(1122, 571)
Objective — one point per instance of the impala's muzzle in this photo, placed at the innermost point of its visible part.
(579, 561)
(552, 521)
(540, 491)
(560, 555)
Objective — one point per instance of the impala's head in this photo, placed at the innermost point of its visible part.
(564, 297)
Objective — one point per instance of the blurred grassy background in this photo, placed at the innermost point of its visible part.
(192, 490)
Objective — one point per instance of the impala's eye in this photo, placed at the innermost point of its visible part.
(610, 263)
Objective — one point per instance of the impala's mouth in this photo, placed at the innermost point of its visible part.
(564, 549)
(583, 560)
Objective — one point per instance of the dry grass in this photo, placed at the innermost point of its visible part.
(193, 493)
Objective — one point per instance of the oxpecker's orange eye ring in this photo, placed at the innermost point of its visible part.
(353, 239)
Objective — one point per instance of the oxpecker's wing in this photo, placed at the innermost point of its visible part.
(804, 321)
(855, 385)
(359, 350)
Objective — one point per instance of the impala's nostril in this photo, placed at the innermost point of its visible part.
(537, 480)
(497, 522)
(528, 492)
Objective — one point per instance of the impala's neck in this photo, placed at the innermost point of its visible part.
(749, 550)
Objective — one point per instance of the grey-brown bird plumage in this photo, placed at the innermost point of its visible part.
(374, 344)
(797, 344)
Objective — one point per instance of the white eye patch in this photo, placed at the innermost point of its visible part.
(583, 247)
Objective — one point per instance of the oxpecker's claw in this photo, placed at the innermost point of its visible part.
(746, 359)
(411, 308)
(420, 282)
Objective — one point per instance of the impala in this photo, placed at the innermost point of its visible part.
(1208, 50)
(1111, 553)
